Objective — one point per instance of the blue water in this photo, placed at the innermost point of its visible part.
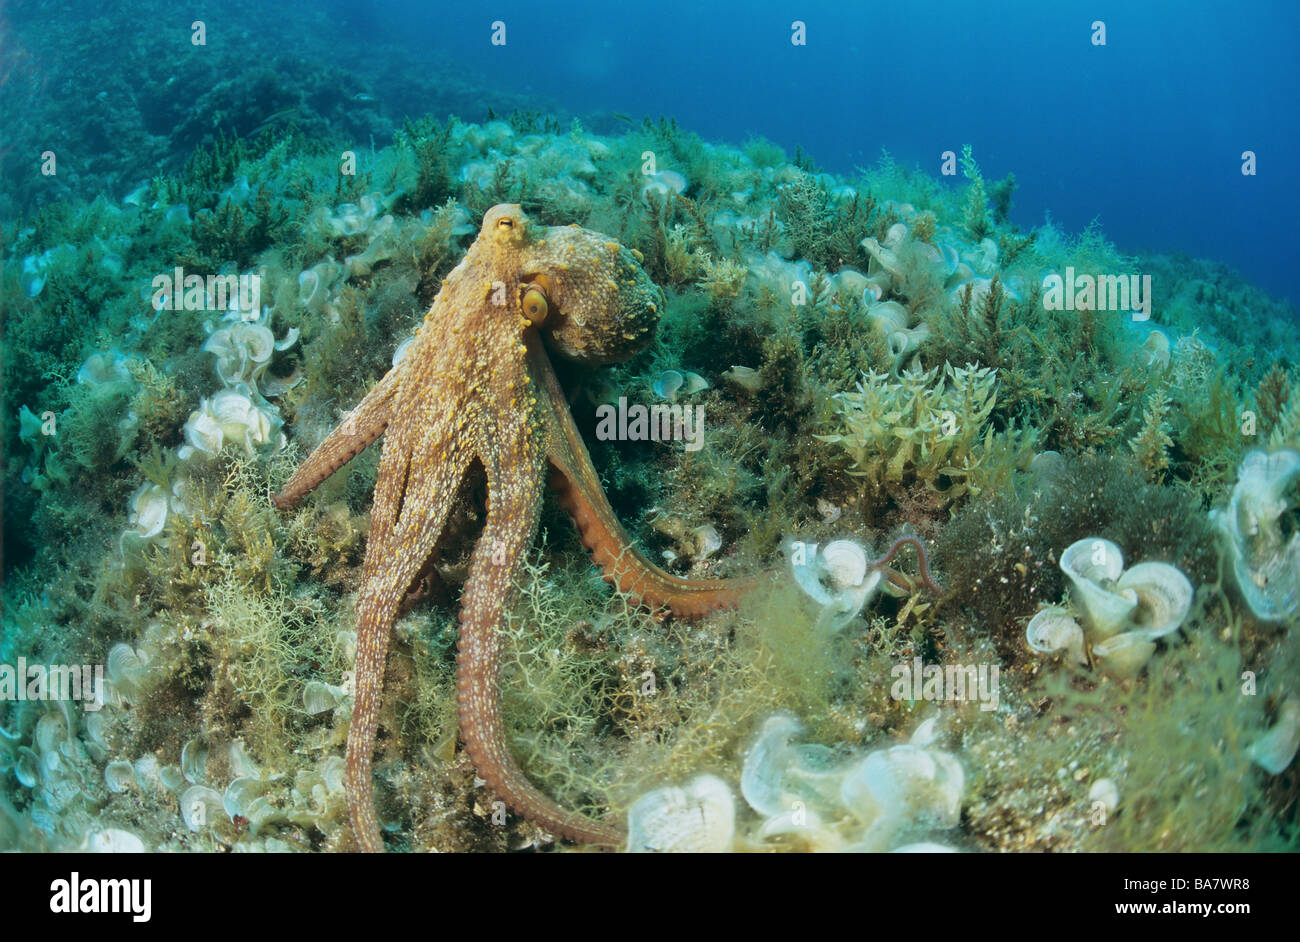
(1145, 134)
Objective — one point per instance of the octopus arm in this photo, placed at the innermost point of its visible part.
(350, 437)
(581, 494)
(514, 498)
(413, 498)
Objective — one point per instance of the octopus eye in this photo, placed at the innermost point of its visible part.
(535, 305)
(506, 223)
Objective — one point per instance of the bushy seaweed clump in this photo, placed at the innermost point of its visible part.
(592, 681)
(1000, 552)
(1174, 745)
(824, 229)
(925, 427)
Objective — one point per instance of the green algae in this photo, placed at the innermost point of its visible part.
(240, 608)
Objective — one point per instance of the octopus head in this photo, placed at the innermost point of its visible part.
(589, 295)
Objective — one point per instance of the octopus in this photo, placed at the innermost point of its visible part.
(477, 392)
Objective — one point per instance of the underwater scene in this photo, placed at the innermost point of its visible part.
(753, 427)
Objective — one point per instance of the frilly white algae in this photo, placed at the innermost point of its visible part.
(1123, 612)
(1265, 561)
(804, 798)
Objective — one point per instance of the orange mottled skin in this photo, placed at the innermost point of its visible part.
(477, 387)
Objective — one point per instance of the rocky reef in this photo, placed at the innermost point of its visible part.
(874, 360)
